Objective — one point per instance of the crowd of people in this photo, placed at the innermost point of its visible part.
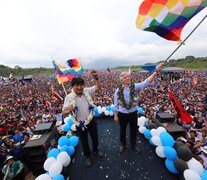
(24, 104)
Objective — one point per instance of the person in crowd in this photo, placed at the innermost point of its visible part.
(53, 144)
(3, 155)
(13, 170)
(125, 110)
(80, 105)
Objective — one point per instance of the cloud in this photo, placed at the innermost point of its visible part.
(101, 33)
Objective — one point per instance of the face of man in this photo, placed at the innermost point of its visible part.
(78, 89)
(10, 162)
(126, 79)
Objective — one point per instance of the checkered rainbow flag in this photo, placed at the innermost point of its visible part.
(167, 18)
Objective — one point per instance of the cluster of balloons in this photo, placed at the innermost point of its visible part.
(107, 111)
(179, 158)
(69, 124)
(57, 158)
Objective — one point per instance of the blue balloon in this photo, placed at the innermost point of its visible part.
(63, 141)
(170, 166)
(150, 141)
(170, 152)
(95, 110)
(204, 175)
(112, 108)
(167, 139)
(64, 148)
(147, 134)
(73, 141)
(53, 153)
(66, 127)
(70, 150)
(97, 114)
(70, 122)
(140, 111)
(58, 177)
(108, 108)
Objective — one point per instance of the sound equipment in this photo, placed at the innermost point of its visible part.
(165, 117)
(44, 128)
(35, 151)
(167, 121)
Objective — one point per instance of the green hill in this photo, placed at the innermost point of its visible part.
(189, 62)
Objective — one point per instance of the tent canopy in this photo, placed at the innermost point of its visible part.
(172, 69)
(150, 68)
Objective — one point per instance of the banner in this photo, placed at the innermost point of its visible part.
(182, 114)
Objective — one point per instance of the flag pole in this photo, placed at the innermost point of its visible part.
(64, 89)
(186, 38)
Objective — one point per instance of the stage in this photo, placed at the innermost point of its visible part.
(114, 166)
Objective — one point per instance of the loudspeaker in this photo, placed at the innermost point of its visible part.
(165, 117)
(44, 128)
(35, 151)
(173, 128)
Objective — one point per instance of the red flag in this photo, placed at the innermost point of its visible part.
(194, 81)
(183, 115)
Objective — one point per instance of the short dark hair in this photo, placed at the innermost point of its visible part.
(77, 81)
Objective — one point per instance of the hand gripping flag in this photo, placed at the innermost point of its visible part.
(182, 114)
(167, 18)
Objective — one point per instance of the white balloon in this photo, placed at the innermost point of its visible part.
(160, 130)
(64, 158)
(153, 132)
(111, 113)
(103, 109)
(141, 121)
(55, 169)
(66, 120)
(43, 177)
(49, 161)
(160, 151)
(141, 129)
(99, 111)
(99, 107)
(191, 175)
(196, 166)
(73, 127)
(106, 112)
(156, 141)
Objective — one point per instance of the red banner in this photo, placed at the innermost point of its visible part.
(183, 115)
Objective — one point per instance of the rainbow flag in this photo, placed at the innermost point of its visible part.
(76, 65)
(65, 74)
(167, 18)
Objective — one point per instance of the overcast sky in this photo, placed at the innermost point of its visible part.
(100, 33)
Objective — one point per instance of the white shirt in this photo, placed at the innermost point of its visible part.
(81, 103)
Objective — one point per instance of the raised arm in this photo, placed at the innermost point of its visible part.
(95, 75)
(153, 75)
